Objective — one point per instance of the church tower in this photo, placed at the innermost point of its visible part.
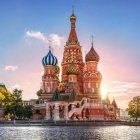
(50, 79)
(72, 57)
(91, 76)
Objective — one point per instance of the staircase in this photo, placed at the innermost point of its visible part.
(78, 110)
(82, 106)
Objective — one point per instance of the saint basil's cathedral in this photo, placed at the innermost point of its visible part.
(78, 95)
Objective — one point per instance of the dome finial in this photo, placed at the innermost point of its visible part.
(72, 10)
(50, 45)
(92, 40)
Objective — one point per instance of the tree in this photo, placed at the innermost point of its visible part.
(39, 92)
(134, 108)
(17, 104)
(27, 111)
(21, 111)
(6, 100)
(12, 104)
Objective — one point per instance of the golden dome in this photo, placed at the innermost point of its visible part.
(72, 17)
(57, 69)
(73, 69)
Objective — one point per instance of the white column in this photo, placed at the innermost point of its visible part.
(47, 117)
(56, 112)
(66, 112)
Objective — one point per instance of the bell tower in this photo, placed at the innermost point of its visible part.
(91, 76)
(73, 55)
(50, 79)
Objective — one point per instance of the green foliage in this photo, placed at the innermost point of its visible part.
(18, 96)
(12, 104)
(6, 100)
(134, 108)
(17, 105)
(7, 116)
(20, 111)
(39, 92)
(27, 111)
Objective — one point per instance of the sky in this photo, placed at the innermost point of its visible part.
(27, 25)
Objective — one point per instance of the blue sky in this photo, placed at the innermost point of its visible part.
(114, 24)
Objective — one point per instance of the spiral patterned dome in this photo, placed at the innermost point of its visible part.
(92, 55)
(49, 59)
(73, 69)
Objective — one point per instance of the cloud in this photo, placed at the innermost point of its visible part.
(10, 68)
(122, 91)
(16, 86)
(54, 38)
(118, 87)
(37, 35)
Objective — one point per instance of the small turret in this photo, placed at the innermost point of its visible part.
(114, 103)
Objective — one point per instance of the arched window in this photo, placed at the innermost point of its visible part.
(96, 85)
(48, 88)
(89, 84)
(48, 71)
(71, 78)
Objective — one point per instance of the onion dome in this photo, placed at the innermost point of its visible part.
(72, 17)
(57, 69)
(92, 55)
(49, 59)
(99, 75)
(73, 69)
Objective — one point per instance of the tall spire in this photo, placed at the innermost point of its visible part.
(72, 36)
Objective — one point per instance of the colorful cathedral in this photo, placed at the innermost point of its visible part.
(78, 95)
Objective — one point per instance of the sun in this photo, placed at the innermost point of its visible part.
(103, 92)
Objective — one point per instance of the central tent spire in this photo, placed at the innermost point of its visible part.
(73, 36)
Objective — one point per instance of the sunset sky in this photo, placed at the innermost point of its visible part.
(27, 25)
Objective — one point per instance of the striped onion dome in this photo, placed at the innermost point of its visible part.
(72, 69)
(49, 59)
